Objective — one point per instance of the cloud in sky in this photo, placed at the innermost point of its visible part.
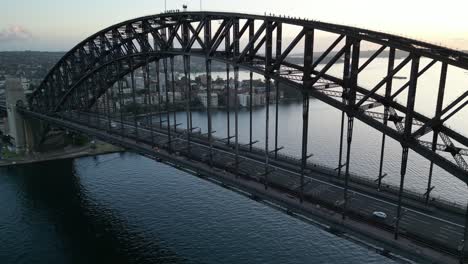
(14, 33)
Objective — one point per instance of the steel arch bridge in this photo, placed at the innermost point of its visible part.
(115, 51)
(259, 44)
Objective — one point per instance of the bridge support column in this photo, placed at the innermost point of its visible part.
(305, 135)
(168, 115)
(236, 117)
(236, 43)
(251, 112)
(382, 154)
(279, 36)
(149, 100)
(227, 46)
(189, 100)
(208, 108)
(267, 131)
(251, 52)
(340, 156)
(88, 103)
(348, 157)
(440, 101)
(158, 91)
(308, 59)
(350, 77)
(108, 109)
(188, 88)
(135, 112)
(388, 93)
(121, 103)
(208, 89)
(228, 103)
(174, 113)
(404, 162)
(406, 134)
(163, 33)
(268, 59)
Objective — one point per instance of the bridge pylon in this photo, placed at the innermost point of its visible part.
(19, 128)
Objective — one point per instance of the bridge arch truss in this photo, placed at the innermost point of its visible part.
(262, 45)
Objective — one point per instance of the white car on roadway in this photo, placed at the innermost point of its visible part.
(379, 215)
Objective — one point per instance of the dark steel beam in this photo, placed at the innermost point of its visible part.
(174, 111)
(287, 51)
(426, 68)
(158, 90)
(251, 42)
(251, 94)
(308, 59)
(407, 135)
(208, 88)
(453, 135)
(350, 76)
(371, 58)
(340, 155)
(248, 25)
(219, 37)
(437, 119)
(227, 42)
(250, 111)
(189, 100)
(236, 35)
(388, 91)
(327, 52)
(268, 60)
(196, 35)
(148, 101)
(384, 81)
(329, 64)
(135, 118)
(121, 102)
(279, 41)
(451, 57)
(305, 135)
(167, 107)
(439, 105)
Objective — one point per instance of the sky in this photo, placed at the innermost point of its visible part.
(58, 25)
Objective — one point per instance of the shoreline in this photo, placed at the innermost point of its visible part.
(100, 148)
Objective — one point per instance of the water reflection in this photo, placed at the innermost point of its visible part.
(58, 211)
(129, 209)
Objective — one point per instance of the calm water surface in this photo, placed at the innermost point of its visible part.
(324, 130)
(129, 209)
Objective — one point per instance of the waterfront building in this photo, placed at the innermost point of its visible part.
(203, 96)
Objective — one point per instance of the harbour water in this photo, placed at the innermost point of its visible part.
(124, 208)
(324, 130)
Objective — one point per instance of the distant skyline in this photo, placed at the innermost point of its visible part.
(58, 25)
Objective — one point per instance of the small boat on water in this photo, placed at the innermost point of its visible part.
(400, 77)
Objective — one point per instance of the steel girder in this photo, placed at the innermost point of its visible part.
(104, 58)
